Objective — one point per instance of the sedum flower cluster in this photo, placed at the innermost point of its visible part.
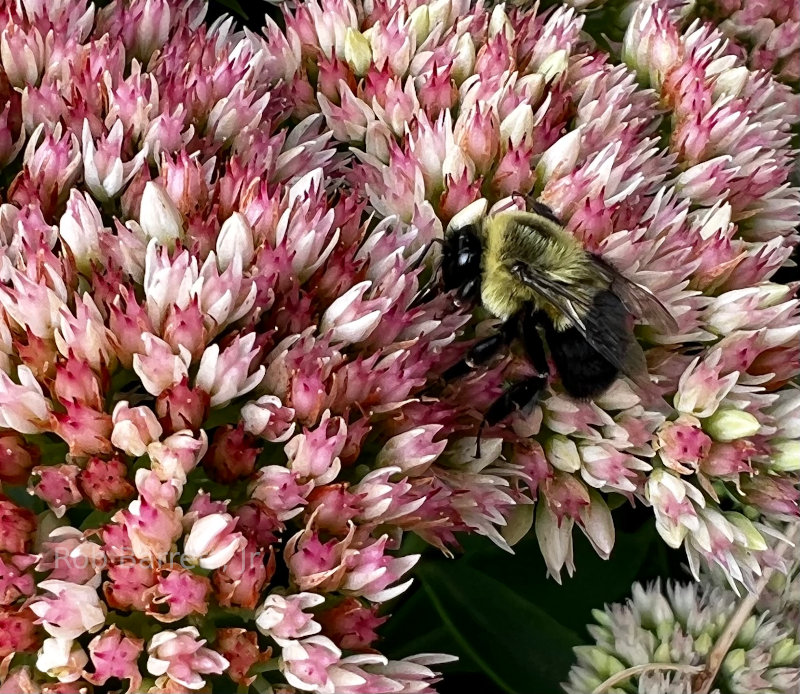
(765, 34)
(220, 405)
(665, 637)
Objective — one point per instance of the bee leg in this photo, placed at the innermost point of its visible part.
(517, 397)
(482, 351)
(532, 340)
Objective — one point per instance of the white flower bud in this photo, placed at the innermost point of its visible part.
(61, 658)
(554, 64)
(159, 218)
(211, 543)
(731, 82)
(419, 23)
(80, 228)
(499, 23)
(729, 425)
(357, 51)
(235, 240)
(560, 157)
(517, 126)
(464, 62)
(562, 453)
(785, 456)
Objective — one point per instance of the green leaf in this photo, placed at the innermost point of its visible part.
(514, 642)
(234, 7)
(596, 581)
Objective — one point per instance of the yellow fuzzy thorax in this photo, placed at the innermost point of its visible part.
(520, 237)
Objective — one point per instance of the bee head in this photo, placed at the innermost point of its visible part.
(461, 262)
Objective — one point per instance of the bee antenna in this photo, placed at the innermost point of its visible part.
(426, 249)
(478, 438)
(427, 289)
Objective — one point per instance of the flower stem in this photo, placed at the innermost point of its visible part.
(704, 681)
(641, 669)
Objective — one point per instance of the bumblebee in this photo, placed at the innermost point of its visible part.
(527, 270)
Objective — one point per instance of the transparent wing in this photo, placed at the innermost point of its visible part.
(577, 307)
(639, 300)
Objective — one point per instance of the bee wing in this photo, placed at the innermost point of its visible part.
(578, 308)
(639, 300)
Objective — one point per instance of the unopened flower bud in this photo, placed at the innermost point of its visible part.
(554, 64)
(562, 453)
(785, 456)
(235, 240)
(729, 425)
(159, 218)
(464, 60)
(357, 51)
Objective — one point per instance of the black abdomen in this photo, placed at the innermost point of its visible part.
(583, 370)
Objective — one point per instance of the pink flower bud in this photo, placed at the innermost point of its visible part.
(18, 632)
(351, 625)
(332, 507)
(57, 486)
(674, 502)
(73, 611)
(183, 657)
(682, 444)
(314, 455)
(52, 165)
(70, 557)
(15, 581)
(413, 451)
(24, 54)
(87, 431)
(19, 679)
(212, 542)
(157, 367)
(241, 580)
(128, 583)
(284, 618)
(114, 654)
(134, 428)
(513, 172)
(177, 455)
(184, 328)
(652, 45)
(437, 91)
(258, 523)
(76, 382)
(80, 228)
(240, 647)
(370, 572)
(17, 527)
(181, 407)
(177, 593)
(104, 483)
(478, 134)
(23, 407)
(152, 528)
(305, 663)
(280, 491)
(268, 417)
(226, 375)
(16, 459)
(316, 564)
(728, 459)
(202, 505)
(231, 456)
